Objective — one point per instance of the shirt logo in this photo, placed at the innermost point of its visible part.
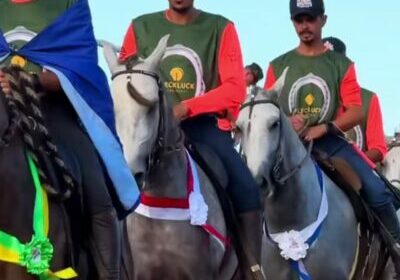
(177, 74)
(304, 4)
(18, 61)
(309, 99)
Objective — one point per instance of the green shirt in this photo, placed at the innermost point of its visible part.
(190, 66)
(312, 85)
(21, 22)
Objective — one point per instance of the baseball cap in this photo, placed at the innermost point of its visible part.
(256, 70)
(335, 44)
(313, 8)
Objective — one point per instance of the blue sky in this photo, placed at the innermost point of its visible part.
(369, 28)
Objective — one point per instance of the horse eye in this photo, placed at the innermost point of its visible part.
(275, 124)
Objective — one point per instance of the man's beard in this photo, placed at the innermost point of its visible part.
(181, 11)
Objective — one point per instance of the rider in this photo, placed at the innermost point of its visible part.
(253, 74)
(321, 85)
(369, 135)
(204, 74)
(59, 78)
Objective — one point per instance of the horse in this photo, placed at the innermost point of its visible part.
(310, 226)
(167, 240)
(43, 232)
(391, 164)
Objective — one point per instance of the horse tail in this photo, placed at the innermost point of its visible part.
(24, 100)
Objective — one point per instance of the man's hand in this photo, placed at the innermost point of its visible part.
(181, 111)
(4, 83)
(297, 121)
(315, 132)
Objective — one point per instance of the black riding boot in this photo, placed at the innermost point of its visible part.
(251, 231)
(387, 214)
(106, 244)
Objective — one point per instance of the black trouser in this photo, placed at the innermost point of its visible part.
(242, 189)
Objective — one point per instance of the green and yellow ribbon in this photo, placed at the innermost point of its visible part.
(37, 254)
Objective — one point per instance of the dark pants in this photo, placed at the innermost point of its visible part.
(75, 144)
(242, 188)
(373, 190)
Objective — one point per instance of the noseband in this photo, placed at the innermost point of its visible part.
(276, 170)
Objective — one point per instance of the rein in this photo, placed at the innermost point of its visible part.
(281, 180)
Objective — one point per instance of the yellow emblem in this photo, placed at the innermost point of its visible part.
(18, 61)
(177, 74)
(309, 99)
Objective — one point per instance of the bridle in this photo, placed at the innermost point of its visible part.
(276, 170)
(160, 148)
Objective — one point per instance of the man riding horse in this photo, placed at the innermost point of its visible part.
(203, 71)
(54, 41)
(369, 135)
(321, 86)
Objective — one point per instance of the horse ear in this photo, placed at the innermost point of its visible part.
(279, 84)
(155, 57)
(110, 54)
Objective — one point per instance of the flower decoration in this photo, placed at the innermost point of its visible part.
(36, 255)
(292, 245)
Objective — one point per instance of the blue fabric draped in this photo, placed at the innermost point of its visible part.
(68, 48)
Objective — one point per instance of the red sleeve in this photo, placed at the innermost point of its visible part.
(374, 130)
(232, 89)
(129, 47)
(270, 78)
(350, 91)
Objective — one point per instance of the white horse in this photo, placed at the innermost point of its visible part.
(300, 203)
(170, 242)
(391, 165)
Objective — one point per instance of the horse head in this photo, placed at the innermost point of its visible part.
(262, 126)
(136, 95)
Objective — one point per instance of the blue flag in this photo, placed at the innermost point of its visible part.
(68, 48)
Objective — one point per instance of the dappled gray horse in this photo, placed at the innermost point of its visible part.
(391, 165)
(169, 233)
(300, 203)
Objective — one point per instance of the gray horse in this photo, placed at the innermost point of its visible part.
(293, 196)
(391, 164)
(164, 246)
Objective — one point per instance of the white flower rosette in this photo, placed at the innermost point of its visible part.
(198, 209)
(292, 245)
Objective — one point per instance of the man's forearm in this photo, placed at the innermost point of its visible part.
(374, 155)
(351, 118)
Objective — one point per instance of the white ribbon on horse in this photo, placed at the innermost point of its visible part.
(294, 244)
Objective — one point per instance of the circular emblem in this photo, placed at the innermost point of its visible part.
(309, 100)
(37, 255)
(193, 58)
(18, 61)
(356, 136)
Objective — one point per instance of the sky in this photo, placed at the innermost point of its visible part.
(369, 28)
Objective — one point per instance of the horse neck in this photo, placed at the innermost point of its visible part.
(295, 204)
(168, 178)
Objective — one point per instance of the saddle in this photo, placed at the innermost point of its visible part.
(372, 253)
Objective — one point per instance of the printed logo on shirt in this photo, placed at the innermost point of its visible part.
(182, 72)
(309, 99)
(310, 95)
(177, 74)
(304, 3)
